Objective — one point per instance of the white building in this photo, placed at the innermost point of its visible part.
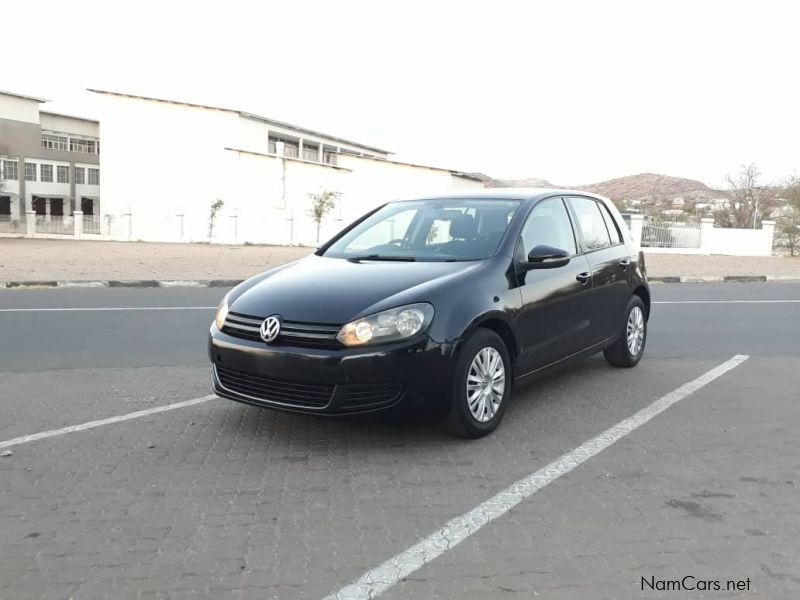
(166, 162)
(49, 164)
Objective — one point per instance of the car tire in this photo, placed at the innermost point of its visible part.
(627, 350)
(483, 347)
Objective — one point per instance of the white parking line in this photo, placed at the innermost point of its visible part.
(92, 424)
(102, 308)
(727, 302)
(376, 581)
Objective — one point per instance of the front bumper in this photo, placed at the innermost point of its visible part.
(324, 381)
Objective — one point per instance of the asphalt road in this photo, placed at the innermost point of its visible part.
(218, 500)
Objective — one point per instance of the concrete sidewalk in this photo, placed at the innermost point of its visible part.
(152, 264)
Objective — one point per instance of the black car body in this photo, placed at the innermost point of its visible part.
(539, 270)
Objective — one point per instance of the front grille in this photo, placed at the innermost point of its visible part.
(366, 395)
(273, 390)
(293, 333)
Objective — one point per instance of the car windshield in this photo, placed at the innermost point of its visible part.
(428, 230)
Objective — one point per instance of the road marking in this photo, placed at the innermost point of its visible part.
(727, 302)
(109, 308)
(92, 424)
(376, 581)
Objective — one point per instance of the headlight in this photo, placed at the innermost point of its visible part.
(222, 312)
(388, 326)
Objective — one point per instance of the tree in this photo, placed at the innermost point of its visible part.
(750, 201)
(212, 217)
(788, 223)
(322, 204)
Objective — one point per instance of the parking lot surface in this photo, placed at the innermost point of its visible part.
(219, 500)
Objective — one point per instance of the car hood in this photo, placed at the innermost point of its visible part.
(318, 289)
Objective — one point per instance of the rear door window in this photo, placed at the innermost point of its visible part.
(591, 223)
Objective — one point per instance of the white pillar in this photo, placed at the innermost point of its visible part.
(707, 235)
(78, 224)
(47, 209)
(769, 233)
(300, 148)
(637, 222)
(30, 218)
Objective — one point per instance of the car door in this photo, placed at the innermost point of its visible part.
(602, 244)
(552, 323)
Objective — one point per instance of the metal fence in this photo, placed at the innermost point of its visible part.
(666, 233)
(91, 224)
(12, 224)
(57, 224)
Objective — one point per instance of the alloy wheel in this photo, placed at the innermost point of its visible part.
(635, 331)
(486, 383)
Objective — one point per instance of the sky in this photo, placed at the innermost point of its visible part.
(571, 91)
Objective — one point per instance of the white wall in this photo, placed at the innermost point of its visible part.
(739, 242)
(717, 240)
(163, 159)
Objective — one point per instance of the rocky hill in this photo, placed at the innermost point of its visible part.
(644, 189)
(654, 188)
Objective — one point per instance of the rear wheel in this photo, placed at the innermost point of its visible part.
(481, 386)
(628, 349)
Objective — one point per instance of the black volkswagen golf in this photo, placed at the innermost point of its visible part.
(448, 301)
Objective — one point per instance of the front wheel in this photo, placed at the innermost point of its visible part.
(628, 349)
(481, 386)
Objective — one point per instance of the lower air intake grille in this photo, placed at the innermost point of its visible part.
(268, 390)
(367, 395)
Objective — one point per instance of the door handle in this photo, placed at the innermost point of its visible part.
(625, 263)
(583, 278)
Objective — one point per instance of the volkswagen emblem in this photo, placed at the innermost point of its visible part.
(270, 328)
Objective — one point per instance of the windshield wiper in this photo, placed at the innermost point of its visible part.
(381, 257)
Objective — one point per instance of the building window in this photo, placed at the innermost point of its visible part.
(80, 175)
(330, 158)
(54, 142)
(85, 145)
(62, 174)
(94, 176)
(30, 171)
(10, 170)
(290, 149)
(46, 173)
(310, 153)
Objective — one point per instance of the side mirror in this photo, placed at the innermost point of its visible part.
(547, 257)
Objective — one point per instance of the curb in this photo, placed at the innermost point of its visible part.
(115, 283)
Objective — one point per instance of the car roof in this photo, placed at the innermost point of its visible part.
(506, 194)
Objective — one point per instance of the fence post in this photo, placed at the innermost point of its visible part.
(637, 223)
(30, 223)
(769, 233)
(707, 235)
(77, 223)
